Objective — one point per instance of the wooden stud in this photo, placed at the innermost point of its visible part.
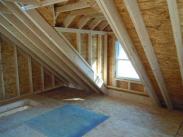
(30, 46)
(114, 19)
(90, 49)
(35, 39)
(1, 71)
(83, 21)
(68, 20)
(16, 70)
(99, 49)
(137, 19)
(105, 59)
(78, 35)
(35, 57)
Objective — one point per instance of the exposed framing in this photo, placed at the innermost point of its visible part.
(1, 71)
(176, 27)
(137, 19)
(110, 12)
(16, 71)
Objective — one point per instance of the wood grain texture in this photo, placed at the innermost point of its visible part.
(9, 70)
(47, 79)
(23, 71)
(84, 46)
(36, 76)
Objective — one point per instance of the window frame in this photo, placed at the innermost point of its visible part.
(116, 65)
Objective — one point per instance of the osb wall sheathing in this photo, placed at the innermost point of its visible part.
(71, 37)
(156, 17)
(37, 76)
(136, 42)
(112, 81)
(48, 80)
(23, 71)
(9, 70)
(84, 46)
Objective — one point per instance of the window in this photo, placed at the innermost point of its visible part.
(124, 67)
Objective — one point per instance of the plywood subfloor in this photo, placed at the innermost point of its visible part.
(127, 118)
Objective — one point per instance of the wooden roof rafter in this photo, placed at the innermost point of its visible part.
(137, 19)
(113, 17)
(176, 27)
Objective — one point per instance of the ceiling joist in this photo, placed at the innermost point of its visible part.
(73, 6)
(113, 17)
(135, 14)
(33, 4)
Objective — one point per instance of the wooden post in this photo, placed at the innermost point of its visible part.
(78, 42)
(16, 70)
(2, 88)
(90, 49)
(99, 55)
(105, 59)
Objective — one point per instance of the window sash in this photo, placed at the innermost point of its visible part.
(132, 75)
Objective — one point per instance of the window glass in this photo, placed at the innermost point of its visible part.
(124, 67)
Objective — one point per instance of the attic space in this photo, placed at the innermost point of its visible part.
(91, 68)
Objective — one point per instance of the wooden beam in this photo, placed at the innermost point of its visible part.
(114, 19)
(68, 20)
(99, 56)
(77, 66)
(2, 86)
(96, 22)
(33, 48)
(137, 19)
(176, 27)
(32, 5)
(90, 49)
(73, 6)
(16, 71)
(30, 52)
(86, 11)
(83, 21)
(78, 38)
(62, 29)
(103, 25)
(105, 67)
(4, 10)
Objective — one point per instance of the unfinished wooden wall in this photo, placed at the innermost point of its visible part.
(120, 84)
(92, 55)
(156, 18)
(21, 74)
